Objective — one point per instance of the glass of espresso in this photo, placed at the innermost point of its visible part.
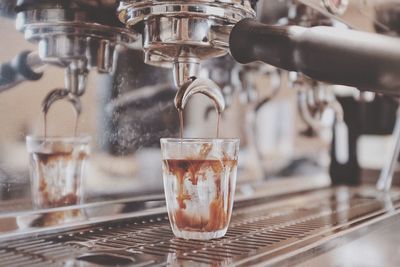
(199, 183)
(56, 169)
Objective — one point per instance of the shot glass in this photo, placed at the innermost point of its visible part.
(199, 183)
(56, 169)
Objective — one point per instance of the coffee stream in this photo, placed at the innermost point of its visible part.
(199, 86)
(60, 157)
(180, 112)
(76, 124)
(56, 95)
(218, 120)
(180, 124)
(45, 123)
(194, 168)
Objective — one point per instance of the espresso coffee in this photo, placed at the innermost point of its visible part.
(57, 178)
(204, 193)
(56, 169)
(199, 174)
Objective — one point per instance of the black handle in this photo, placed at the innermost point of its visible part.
(18, 70)
(339, 56)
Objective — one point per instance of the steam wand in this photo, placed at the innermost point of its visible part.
(386, 176)
(313, 100)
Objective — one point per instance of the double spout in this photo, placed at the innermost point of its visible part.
(186, 80)
(75, 85)
(199, 86)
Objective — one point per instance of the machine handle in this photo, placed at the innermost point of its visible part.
(25, 66)
(339, 56)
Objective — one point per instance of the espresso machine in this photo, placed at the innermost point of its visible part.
(311, 79)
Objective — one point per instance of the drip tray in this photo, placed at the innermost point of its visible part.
(260, 231)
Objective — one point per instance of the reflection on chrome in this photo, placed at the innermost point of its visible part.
(309, 87)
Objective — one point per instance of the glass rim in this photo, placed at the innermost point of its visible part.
(199, 140)
(84, 138)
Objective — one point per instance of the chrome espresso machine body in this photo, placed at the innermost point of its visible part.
(310, 87)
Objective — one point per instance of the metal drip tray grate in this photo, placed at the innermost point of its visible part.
(255, 228)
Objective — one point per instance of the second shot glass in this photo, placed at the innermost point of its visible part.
(56, 169)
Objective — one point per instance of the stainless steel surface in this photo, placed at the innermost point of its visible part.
(262, 230)
(377, 246)
(30, 222)
(68, 34)
(19, 218)
(76, 78)
(185, 69)
(183, 29)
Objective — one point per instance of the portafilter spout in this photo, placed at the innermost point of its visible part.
(199, 86)
(184, 70)
(75, 85)
(61, 94)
